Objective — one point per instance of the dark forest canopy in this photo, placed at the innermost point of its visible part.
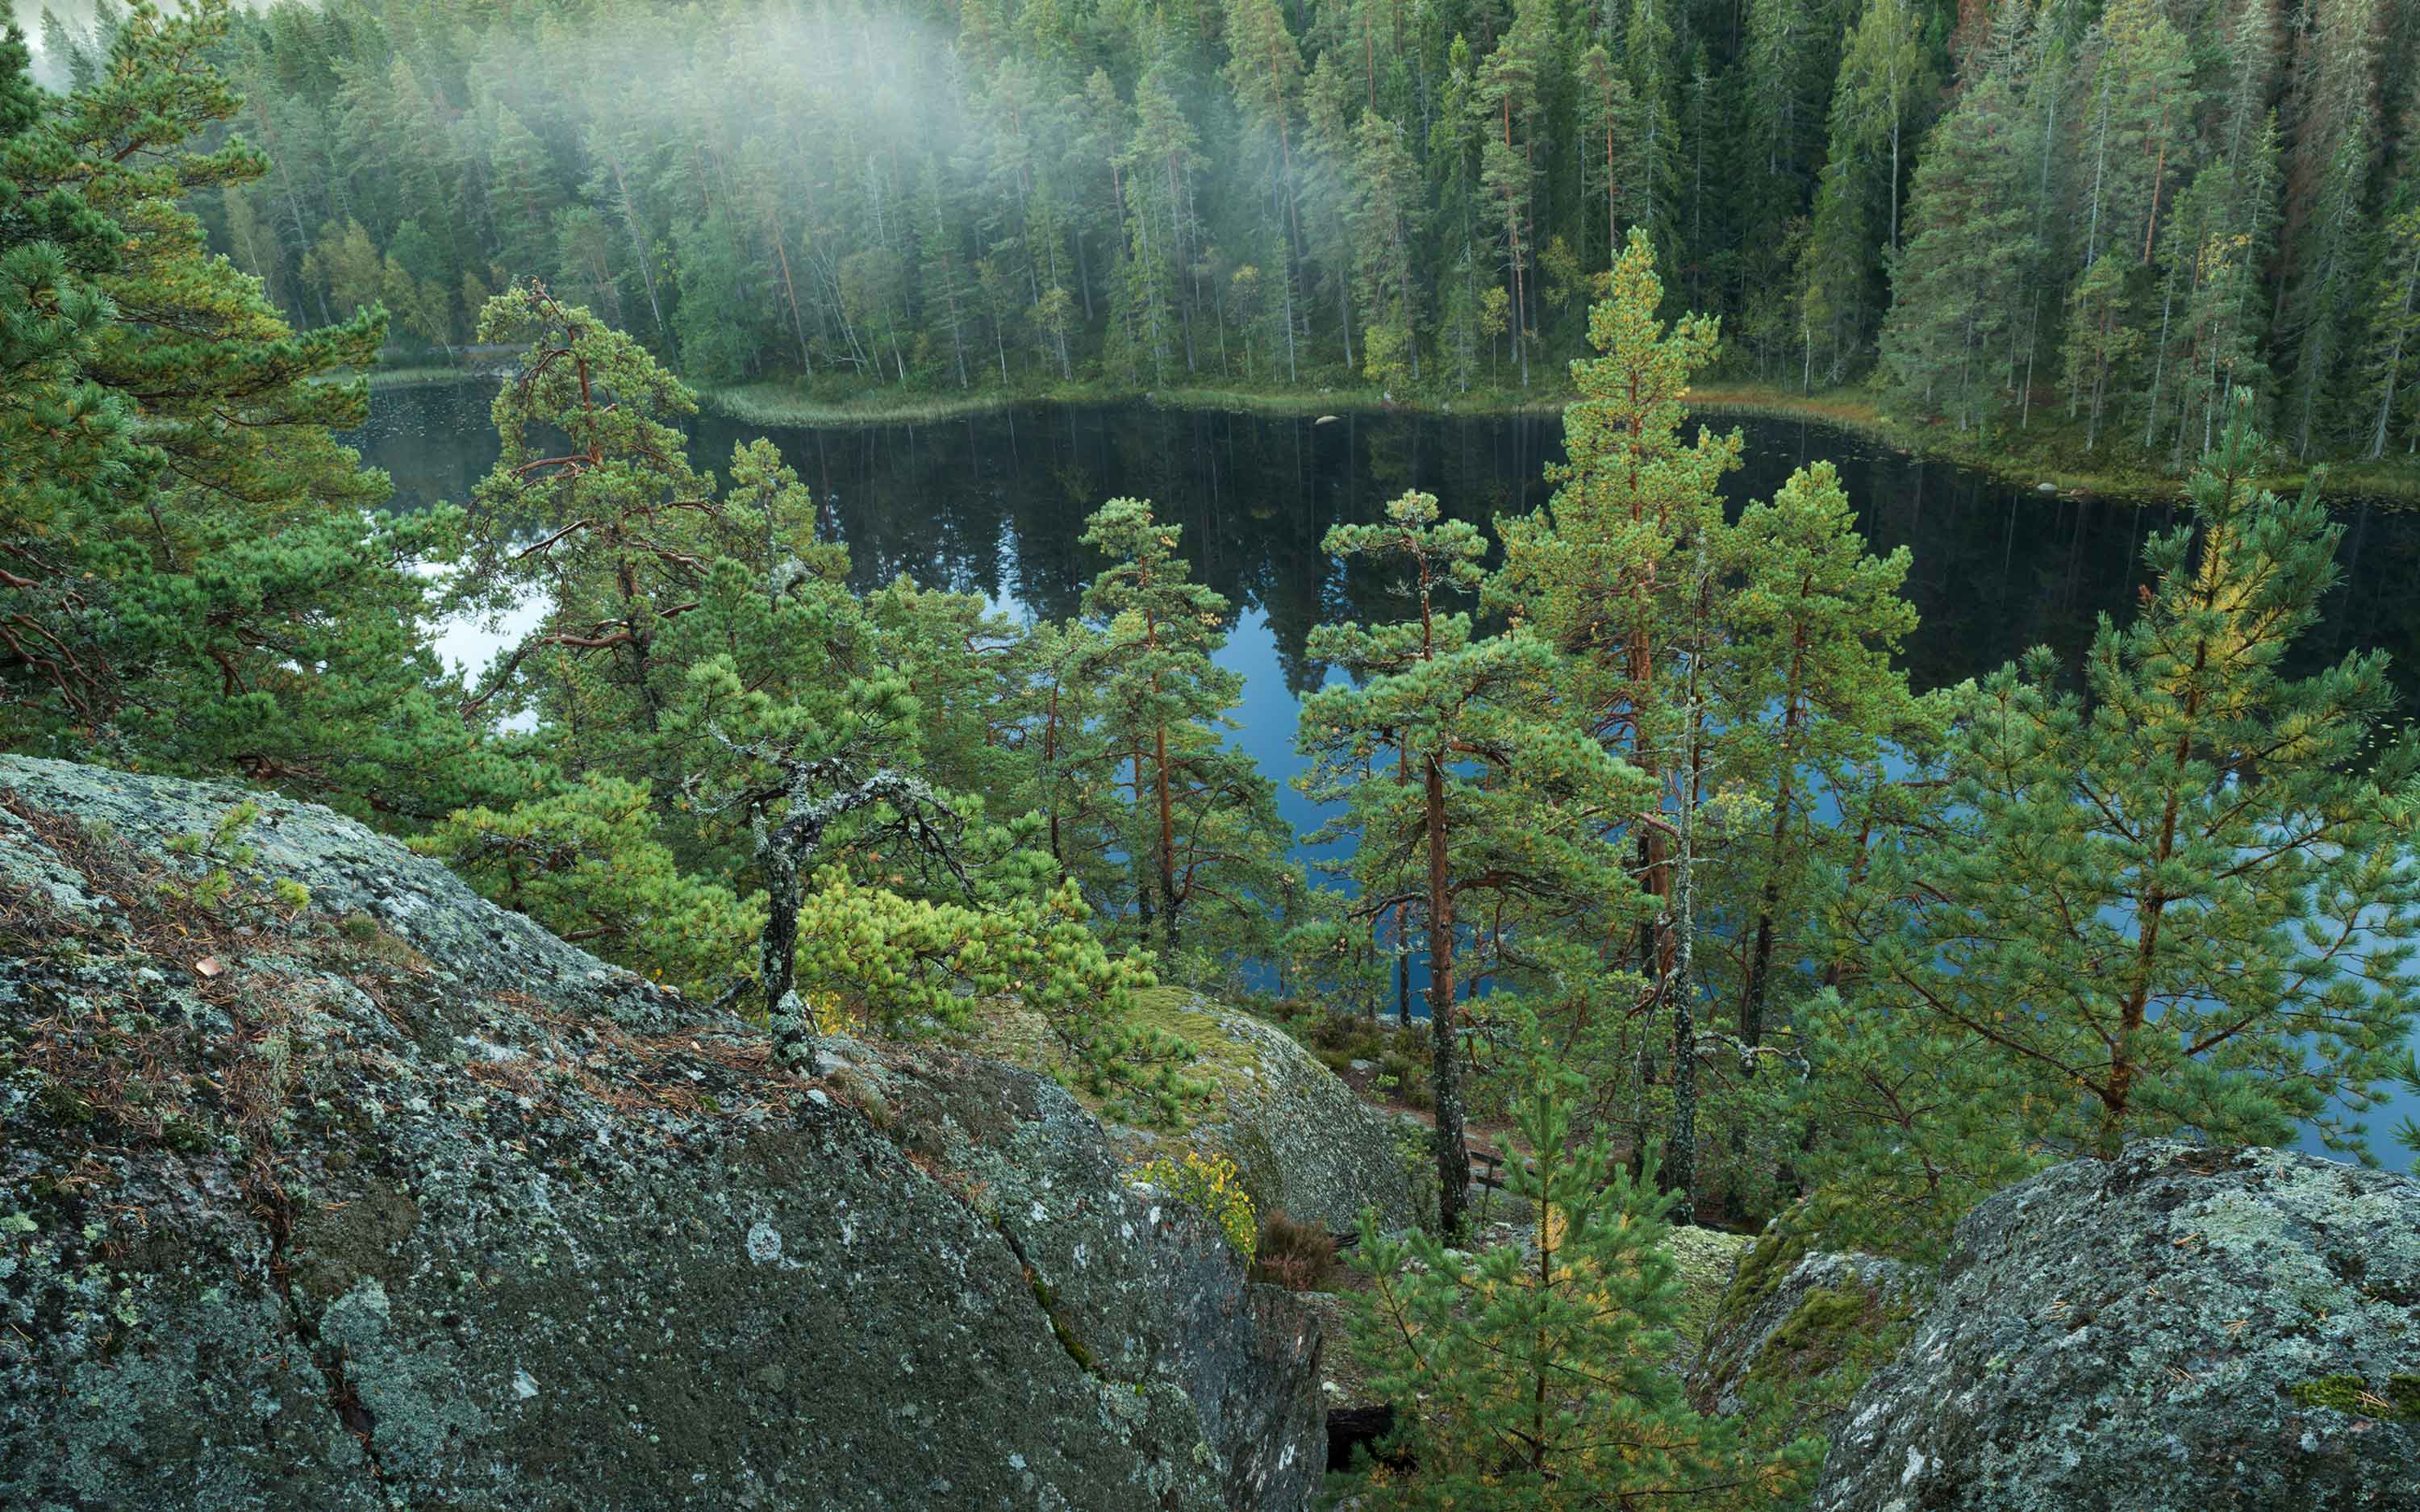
(2105, 216)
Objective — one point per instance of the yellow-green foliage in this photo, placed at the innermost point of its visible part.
(591, 863)
(1211, 1184)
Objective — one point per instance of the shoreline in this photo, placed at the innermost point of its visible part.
(1850, 410)
(780, 404)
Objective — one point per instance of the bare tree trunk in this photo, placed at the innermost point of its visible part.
(1445, 1062)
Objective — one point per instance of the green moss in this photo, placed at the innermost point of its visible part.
(1048, 1300)
(179, 1133)
(1075, 1347)
(2350, 1395)
(1704, 1259)
(1220, 1056)
(1833, 1325)
(1767, 1263)
(376, 941)
(62, 1105)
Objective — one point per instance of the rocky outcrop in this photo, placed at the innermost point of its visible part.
(2176, 1330)
(330, 1185)
(1303, 1142)
(1803, 1330)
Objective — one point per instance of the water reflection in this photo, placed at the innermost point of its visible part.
(993, 505)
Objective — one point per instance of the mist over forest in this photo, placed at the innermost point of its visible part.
(2094, 222)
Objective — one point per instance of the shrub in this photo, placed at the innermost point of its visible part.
(1409, 1080)
(1210, 1185)
(1297, 1257)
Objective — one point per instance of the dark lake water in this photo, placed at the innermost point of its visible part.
(993, 504)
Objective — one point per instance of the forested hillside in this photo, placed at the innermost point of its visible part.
(2101, 215)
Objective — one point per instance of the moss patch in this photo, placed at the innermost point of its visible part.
(1833, 1326)
(1706, 1259)
(2398, 1402)
(1765, 1265)
(1005, 1029)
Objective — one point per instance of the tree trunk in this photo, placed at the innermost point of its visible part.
(1760, 968)
(1445, 1075)
(792, 1023)
(1166, 844)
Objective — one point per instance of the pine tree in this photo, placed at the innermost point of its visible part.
(1536, 1370)
(1789, 57)
(1596, 574)
(195, 578)
(1510, 802)
(715, 313)
(1807, 711)
(590, 864)
(1203, 834)
(2181, 899)
(609, 527)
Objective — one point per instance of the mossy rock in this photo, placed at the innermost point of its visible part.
(2398, 1399)
(1303, 1142)
(2175, 1329)
(1799, 1330)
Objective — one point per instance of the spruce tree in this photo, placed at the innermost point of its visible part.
(1969, 246)
(1877, 113)
(2392, 373)
(2131, 147)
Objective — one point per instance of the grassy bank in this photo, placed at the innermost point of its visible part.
(2050, 452)
(411, 378)
(2046, 454)
(776, 403)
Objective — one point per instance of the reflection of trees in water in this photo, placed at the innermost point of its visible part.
(993, 504)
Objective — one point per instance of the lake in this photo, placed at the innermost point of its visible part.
(992, 504)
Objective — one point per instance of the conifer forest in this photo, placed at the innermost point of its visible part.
(767, 1033)
(2101, 216)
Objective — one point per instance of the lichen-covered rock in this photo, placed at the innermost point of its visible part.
(2173, 1331)
(1304, 1143)
(389, 1198)
(1802, 1329)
